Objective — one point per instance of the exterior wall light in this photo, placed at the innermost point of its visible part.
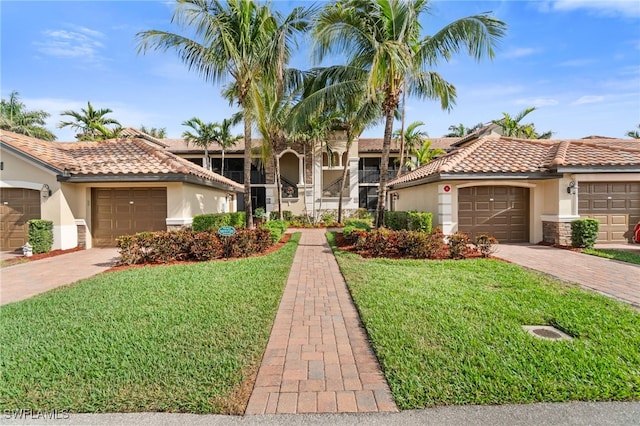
(45, 191)
(572, 188)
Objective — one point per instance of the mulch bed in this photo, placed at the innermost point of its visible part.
(52, 253)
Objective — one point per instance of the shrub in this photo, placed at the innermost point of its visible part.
(277, 228)
(396, 220)
(419, 221)
(328, 218)
(40, 235)
(363, 213)
(211, 221)
(260, 213)
(436, 246)
(584, 232)
(458, 245)
(246, 242)
(485, 244)
(237, 219)
(286, 215)
(355, 224)
(205, 246)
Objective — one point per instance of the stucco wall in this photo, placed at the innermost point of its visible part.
(186, 200)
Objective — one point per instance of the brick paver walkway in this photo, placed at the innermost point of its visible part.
(318, 359)
(615, 279)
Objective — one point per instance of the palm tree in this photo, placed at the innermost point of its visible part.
(202, 135)
(424, 154)
(635, 134)
(384, 38)
(413, 138)
(15, 118)
(91, 124)
(224, 138)
(237, 39)
(158, 133)
(512, 127)
(460, 130)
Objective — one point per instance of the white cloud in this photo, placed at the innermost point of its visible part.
(536, 102)
(76, 42)
(589, 99)
(625, 8)
(520, 52)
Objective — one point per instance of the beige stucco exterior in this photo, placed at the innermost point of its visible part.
(69, 204)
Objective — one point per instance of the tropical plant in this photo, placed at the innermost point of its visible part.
(511, 126)
(14, 117)
(412, 139)
(460, 130)
(158, 133)
(423, 155)
(635, 134)
(383, 37)
(238, 39)
(201, 135)
(91, 124)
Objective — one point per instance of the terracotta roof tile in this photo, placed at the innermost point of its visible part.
(119, 157)
(375, 144)
(501, 155)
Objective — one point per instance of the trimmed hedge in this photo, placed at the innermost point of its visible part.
(351, 225)
(40, 235)
(277, 228)
(213, 221)
(287, 215)
(584, 232)
(169, 246)
(411, 221)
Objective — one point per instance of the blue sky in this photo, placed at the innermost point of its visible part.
(577, 61)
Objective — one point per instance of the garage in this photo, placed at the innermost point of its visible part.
(121, 211)
(616, 205)
(18, 207)
(501, 211)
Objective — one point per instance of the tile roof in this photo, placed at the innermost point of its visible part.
(375, 144)
(124, 158)
(499, 155)
(130, 132)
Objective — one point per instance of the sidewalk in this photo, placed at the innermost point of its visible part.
(24, 280)
(318, 359)
(612, 278)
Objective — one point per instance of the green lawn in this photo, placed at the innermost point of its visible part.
(449, 332)
(621, 255)
(184, 338)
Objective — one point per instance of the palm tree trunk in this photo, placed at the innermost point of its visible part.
(402, 135)
(345, 168)
(222, 166)
(207, 162)
(384, 169)
(276, 166)
(247, 170)
(304, 180)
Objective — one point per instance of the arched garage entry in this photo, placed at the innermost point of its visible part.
(501, 211)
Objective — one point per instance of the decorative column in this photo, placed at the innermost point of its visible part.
(445, 208)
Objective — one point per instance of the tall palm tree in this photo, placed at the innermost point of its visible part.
(635, 134)
(240, 40)
(202, 135)
(512, 127)
(224, 138)
(91, 124)
(460, 130)
(384, 38)
(16, 118)
(156, 132)
(413, 138)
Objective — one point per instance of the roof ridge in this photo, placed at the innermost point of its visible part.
(559, 158)
(449, 165)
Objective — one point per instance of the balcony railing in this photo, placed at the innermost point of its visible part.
(238, 176)
(373, 176)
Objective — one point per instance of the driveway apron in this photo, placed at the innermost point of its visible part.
(619, 280)
(24, 280)
(318, 359)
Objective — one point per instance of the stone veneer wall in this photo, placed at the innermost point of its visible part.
(556, 233)
(82, 236)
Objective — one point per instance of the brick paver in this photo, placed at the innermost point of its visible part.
(318, 359)
(615, 279)
(24, 280)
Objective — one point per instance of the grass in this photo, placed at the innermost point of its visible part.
(449, 332)
(183, 338)
(621, 255)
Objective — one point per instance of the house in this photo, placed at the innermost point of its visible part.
(315, 172)
(522, 190)
(94, 192)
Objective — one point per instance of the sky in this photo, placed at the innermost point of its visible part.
(576, 61)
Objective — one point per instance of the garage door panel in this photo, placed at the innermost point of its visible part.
(121, 211)
(616, 205)
(17, 207)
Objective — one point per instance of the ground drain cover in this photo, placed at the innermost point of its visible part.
(546, 332)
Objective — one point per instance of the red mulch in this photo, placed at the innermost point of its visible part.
(285, 239)
(52, 253)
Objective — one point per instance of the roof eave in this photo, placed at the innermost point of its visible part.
(476, 176)
(28, 157)
(599, 169)
(155, 177)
